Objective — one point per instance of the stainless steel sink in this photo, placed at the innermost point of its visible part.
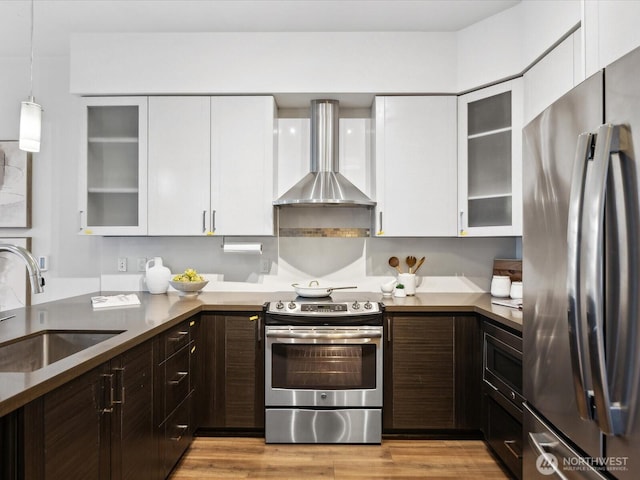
(36, 351)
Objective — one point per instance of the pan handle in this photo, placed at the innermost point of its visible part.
(339, 288)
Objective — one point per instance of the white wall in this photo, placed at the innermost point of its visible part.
(74, 260)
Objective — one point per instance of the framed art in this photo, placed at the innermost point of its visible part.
(15, 186)
(15, 291)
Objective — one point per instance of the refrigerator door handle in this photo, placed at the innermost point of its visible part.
(610, 414)
(577, 347)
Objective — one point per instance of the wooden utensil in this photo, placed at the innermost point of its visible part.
(411, 261)
(420, 262)
(395, 263)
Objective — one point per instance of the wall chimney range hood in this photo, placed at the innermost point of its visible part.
(324, 186)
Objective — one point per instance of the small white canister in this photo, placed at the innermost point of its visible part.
(516, 290)
(500, 286)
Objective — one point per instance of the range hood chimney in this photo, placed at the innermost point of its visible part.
(324, 185)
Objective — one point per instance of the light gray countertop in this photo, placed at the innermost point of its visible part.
(158, 313)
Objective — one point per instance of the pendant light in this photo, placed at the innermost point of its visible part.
(30, 113)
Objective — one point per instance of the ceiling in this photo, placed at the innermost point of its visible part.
(54, 20)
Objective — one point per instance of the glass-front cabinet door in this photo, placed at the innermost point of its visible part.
(113, 166)
(490, 161)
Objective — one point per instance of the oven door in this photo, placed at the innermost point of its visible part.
(323, 366)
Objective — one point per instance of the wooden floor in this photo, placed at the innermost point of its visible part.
(251, 458)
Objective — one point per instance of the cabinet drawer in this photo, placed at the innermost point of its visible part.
(177, 436)
(176, 374)
(175, 339)
(503, 433)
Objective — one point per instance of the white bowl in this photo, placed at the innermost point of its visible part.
(188, 288)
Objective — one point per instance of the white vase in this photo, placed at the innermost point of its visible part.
(157, 277)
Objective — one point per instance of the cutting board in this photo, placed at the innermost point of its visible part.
(506, 266)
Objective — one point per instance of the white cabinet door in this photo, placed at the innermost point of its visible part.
(416, 170)
(539, 91)
(490, 160)
(243, 179)
(179, 165)
(113, 166)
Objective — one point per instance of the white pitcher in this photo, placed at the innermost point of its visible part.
(158, 276)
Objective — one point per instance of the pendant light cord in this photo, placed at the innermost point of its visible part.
(31, 62)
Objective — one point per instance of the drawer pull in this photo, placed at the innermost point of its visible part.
(181, 376)
(254, 318)
(181, 429)
(508, 444)
(178, 337)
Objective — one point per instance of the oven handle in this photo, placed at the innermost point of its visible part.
(324, 336)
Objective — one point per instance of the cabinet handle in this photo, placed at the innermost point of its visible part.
(508, 444)
(213, 221)
(80, 220)
(109, 408)
(204, 221)
(181, 429)
(119, 373)
(181, 376)
(462, 230)
(178, 337)
(380, 230)
(388, 329)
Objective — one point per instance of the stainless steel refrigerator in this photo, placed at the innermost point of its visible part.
(581, 267)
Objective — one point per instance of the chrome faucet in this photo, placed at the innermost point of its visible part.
(35, 276)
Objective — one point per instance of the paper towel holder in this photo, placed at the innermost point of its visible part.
(244, 248)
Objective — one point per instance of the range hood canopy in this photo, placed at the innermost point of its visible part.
(324, 185)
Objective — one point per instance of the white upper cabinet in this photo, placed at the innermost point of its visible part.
(179, 165)
(559, 65)
(490, 160)
(416, 171)
(211, 165)
(243, 133)
(113, 166)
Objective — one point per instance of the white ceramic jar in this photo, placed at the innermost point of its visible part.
(516, 290)
(500, 286)
(157, 277)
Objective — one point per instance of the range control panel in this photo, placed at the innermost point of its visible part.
(355, 307)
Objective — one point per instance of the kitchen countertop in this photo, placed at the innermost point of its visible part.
(157, 313)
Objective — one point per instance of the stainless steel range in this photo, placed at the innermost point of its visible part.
(323, 371)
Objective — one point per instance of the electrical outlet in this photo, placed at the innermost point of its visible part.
(142, 264)
(122, 264)
(265, 265)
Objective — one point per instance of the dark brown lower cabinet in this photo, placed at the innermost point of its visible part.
(173, 394)
(432, 373)
(419, 386)
(97, 426)
(233, 362)
(503, 430)
(9, 447)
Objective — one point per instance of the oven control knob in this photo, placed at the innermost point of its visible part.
(367, 306)
(279, 305)
(323, 395)
(355, 306)
(291, 306)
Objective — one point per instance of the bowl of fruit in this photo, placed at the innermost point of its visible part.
(188, 283)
